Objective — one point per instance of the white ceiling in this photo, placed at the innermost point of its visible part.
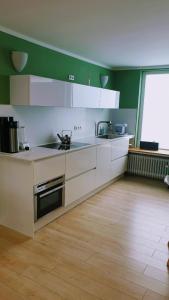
(121, 33)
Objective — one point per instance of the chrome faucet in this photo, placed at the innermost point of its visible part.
(109, 123)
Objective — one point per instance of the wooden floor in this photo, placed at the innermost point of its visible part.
(113, 246)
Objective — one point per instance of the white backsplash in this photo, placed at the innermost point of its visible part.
(125, 115)
(43, 123)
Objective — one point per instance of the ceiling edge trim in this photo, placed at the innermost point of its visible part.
(141, 68)
(49, 46)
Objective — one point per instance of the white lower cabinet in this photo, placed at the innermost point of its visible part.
(119, 148)
(85, 169)
(80, 174)
(103, 169)
(80, 161)
(118, 166)
(79, 186)
(111, 160)
(49, 168)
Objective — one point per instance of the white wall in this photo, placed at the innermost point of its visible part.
(42, 123)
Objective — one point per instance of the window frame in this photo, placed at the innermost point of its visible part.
(141, 103)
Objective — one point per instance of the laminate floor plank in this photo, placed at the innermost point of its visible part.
(26, 287)
(104, 276)
(150, 295)
(108, 251)
(7, 293)
(157, 274)
(115, 228)
(59, 285)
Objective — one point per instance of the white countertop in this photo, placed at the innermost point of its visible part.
(37, 153)
(33, 154)
(93, 140)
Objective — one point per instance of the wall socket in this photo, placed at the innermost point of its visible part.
(71, 77)
(77, 127)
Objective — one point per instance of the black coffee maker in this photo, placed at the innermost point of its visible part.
(9, 135)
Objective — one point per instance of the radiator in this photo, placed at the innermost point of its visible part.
(147, 165)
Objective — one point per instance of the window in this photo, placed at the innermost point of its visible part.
(155, 118)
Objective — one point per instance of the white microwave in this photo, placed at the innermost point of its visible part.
(120, 128)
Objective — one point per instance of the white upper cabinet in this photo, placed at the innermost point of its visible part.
(41, 91)
(109, 98)
(93, 97)
(49, 92)
(85, 96)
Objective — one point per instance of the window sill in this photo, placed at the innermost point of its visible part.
(160, 152)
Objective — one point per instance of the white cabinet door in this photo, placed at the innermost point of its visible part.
(49, 92)
(103, 166)
(79, 186)
(119, 148)
(39, 91)
(20, 90)
(118, 166)
(109, 98)
(111, 160)
(85, 96)
(81, 161)
(49, 168)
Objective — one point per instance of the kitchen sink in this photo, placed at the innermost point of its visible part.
(109, 136)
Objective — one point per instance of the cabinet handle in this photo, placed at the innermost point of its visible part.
(51, 191)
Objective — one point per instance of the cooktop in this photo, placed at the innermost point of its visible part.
(59, 146)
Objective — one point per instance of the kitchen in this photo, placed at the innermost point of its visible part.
(74, 240)
(61, 173)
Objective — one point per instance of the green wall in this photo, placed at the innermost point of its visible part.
(45, 62)
(49, 63)
(128, 83)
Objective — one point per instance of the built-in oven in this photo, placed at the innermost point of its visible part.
(48, 196)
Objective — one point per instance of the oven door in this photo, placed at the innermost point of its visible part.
(48, 200)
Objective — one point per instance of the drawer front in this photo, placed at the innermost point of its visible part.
(79, 186)
(119, 148)
(80, 161)
(49, 168)
(119, 166)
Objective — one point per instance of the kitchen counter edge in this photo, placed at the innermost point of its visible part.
(40, 153)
